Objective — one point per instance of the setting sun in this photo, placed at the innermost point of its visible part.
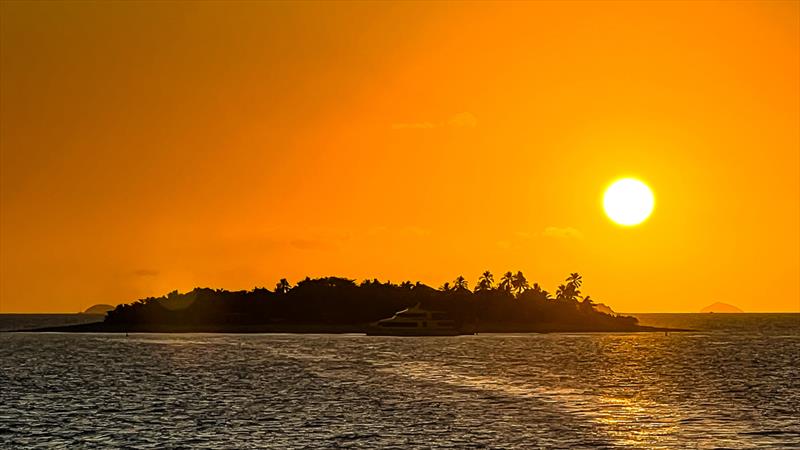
(400, 224)
(628, 202)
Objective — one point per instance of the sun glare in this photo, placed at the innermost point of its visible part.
(628, 202)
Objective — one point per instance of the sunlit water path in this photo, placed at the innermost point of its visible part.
(734, 385)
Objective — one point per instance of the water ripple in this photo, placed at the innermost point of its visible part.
(281, 391)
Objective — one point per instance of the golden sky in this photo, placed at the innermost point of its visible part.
(156, 146)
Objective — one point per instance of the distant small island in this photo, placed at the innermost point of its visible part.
(100, 309)
(340, 305)
(720, 307)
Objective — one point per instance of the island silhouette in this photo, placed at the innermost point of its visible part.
(100, 309)
(340, 305)
(719, 307)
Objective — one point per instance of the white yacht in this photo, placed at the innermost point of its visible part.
(415, 321)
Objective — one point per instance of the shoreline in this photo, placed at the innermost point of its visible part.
(102, 327)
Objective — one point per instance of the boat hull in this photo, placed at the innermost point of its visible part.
(416, 321)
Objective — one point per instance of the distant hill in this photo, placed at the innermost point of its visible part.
(720, 307)
(100, 309)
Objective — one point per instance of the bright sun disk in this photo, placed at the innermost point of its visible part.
(628, 202)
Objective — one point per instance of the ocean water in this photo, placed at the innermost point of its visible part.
(733, 383)
(10, 322)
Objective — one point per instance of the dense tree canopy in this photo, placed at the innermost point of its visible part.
(513, 304)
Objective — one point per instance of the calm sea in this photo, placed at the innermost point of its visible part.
(734, 383)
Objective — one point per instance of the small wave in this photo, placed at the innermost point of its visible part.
(771, 433)
(164, 341)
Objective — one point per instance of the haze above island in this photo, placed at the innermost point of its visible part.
(146, 147)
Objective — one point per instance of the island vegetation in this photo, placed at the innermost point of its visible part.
(334, 304)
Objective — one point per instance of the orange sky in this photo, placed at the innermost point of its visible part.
(156, 146)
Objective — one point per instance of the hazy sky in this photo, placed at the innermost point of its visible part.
(155, 146)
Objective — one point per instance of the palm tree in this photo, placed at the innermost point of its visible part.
(460, 283)
(519, 282)
(571, 291)
(561, 292)
(575, 279)
(485, 282)
(507, 281)
(446, 287)
(283, 286)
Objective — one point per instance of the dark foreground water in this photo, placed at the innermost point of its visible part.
(734, 384)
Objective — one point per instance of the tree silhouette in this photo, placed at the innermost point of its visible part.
(561, 292)
(569, 292)
(539, 293)
(336, 304)
(519, 282)
(573, 282)
(575, 279)
(587, 305)
(283, 286)
(485, 282)
(506, 283)
(460, 284)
